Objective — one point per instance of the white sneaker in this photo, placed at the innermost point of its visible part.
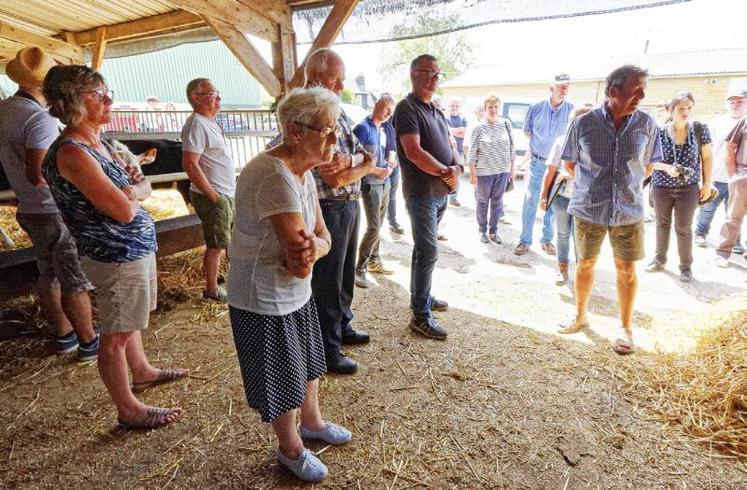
(701, 241)
(721, 262)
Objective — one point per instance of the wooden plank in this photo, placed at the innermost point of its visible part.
(155, 24)
(56, 48)
(234, 13)
(247, 54)
(99, 49)
(284, 56)
(327, 34)
(275, 10)
(18, 271)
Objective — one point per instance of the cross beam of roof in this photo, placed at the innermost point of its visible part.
(275, 10)
(235, 13)
(148, 26)
(60, 50)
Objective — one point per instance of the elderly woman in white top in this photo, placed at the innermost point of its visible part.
(279, 234)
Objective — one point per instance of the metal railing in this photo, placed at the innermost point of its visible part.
(247, 131)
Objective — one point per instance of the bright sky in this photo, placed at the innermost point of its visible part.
(696, 25)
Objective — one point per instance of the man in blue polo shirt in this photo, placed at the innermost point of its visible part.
(546, 121)
(609, 152)
(430, 171)
(374, 190)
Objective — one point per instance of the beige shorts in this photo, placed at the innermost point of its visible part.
(626, 240)
(125, 293)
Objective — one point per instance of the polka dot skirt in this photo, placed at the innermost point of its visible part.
(278, 355)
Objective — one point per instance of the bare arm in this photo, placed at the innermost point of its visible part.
(300, 248)
(706, 160)
(731, 158)
(81, 170)
(421, 158)
(528, 134)
(570, 167)
(344, 173)
(457, 132)
(191, 165)
(550, 172)
(649, 170)
(34, 159)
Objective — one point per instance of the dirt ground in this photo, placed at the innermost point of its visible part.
(503, 403)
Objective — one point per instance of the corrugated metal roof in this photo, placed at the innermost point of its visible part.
(717, 61)
(166, 73)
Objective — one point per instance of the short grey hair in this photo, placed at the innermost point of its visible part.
(620, 75)
(304, 105)
(319, 61)
(422, 57)
(386, 99)
(192, 86)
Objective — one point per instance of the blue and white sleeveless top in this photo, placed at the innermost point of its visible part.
(99, 236)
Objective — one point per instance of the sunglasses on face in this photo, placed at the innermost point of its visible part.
(101, 94)
(324, 131)
(213, 93)
(432, 73)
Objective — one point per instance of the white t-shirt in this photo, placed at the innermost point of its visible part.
(720, 127)
(554, 159)
(257, 280)
(203, 136)
(26, 125)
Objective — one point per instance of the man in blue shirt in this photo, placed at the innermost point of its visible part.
(457, 125)
(374, 190)
(546, 121)
(609, 152)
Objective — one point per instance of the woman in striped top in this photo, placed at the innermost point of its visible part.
(491, 163)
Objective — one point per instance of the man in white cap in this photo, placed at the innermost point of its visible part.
(26, 132)
(720, 127)
(546, 121)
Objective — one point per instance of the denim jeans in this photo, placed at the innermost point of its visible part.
(565, 229)
(707, 212)
(531, 201)
(489, 196)
(375, 199)
(393, 188)
(425, 215)
(680, 202)
(332, 281)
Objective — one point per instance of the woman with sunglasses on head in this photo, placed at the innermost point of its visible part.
(99, 198)
(679, 182)
(279, 233)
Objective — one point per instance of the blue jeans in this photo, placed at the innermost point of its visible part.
(565, 228)
(489, 195)
(706, 213)
(531, 201)
(391, 210)
(425, 215)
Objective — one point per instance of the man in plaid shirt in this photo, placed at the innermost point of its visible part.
(338, 186)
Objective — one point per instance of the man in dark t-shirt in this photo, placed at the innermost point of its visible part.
(430, 171)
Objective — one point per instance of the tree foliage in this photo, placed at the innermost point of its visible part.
(346, 96)
(453, 50)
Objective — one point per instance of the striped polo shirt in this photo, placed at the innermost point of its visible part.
(610, 165)
(491, 149)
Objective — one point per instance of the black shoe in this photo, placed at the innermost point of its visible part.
(342, 365)
(439, 305)
(429, 328)
(355, 337)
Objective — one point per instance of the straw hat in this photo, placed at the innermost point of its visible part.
(29, 67)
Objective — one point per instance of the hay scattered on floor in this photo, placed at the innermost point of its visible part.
(11, 228)
(703, 392)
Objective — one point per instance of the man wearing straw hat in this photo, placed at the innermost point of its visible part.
(26, 132)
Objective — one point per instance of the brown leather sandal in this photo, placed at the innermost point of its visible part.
(167, 376)
(155, 418)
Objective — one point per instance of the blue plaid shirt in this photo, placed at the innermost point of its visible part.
(346, 143)
(610, 165)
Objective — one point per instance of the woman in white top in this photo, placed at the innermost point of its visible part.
(278, 235)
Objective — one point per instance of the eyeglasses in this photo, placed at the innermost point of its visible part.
(101, 94)
(432, 73)
(213, 93)
(324, 131)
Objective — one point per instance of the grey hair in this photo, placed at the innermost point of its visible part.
(620, 75)
(62, 88)
(422, 57)
(319, 61)
(304, 105)
(386, 98)
(193, 86)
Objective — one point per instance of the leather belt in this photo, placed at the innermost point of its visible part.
(534, 155)
(345, 197)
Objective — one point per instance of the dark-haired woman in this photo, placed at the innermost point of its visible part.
(99, 197)
(676, 182)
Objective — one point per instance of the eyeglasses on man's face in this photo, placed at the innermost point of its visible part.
(324, 131)
(101, 94)
(212, 93)
(431, 73)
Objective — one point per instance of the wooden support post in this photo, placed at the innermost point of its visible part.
(247, 54)
(327, 34)
(284, 56)
(99, 49)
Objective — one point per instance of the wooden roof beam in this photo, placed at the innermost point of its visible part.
(59, 50)
(97, 58)
(234, 13)
(275, 10)
(156, 24)
(327, 34)
(247, 54)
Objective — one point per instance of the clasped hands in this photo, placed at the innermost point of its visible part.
(450, 176)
